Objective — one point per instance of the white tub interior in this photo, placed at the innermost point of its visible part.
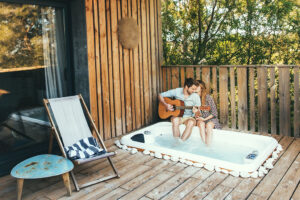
(228, 150)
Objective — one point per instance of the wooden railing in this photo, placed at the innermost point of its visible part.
(256, 97)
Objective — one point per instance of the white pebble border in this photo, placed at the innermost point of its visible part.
(262, 170)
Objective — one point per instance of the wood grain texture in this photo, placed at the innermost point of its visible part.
(242, 99)
(223, 87)
(284, 101)
(252, 99)
(206, 78)
(262, 99)
(232, 98)
(104, 70)
(124, 83)
(273, 88)
(296, 103)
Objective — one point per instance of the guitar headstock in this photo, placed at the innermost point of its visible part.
(204, 108)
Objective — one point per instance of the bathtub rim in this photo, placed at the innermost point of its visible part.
(246, 167)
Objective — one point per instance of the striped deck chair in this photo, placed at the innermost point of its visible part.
(68, 117)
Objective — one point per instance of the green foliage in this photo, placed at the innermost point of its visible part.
(231, 31)
(21, 36)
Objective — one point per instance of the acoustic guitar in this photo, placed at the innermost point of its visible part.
(178, 107)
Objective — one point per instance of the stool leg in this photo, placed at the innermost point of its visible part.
(66, 179)
(20, 182)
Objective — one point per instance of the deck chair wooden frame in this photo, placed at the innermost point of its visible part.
(56, 133)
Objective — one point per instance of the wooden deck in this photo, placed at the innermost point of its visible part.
(144, 177)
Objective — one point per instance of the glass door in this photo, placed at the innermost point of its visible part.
(33, 66)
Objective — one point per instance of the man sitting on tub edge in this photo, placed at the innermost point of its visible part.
(190, 98)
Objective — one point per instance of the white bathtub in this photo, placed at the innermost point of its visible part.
(227, 152)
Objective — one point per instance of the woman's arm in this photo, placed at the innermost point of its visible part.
(213, 110)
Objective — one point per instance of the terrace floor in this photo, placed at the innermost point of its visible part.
(144, 177)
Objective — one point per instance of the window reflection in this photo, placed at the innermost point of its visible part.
(32, 62)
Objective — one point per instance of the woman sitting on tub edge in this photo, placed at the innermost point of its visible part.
(208, 119)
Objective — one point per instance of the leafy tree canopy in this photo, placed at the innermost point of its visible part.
(230, 31)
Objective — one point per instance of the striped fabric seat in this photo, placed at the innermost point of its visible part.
(84, 148)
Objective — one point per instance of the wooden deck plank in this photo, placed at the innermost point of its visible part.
(121, 165)
(206, 186)
(145, 180)
(219, 193)
(268, 184)
(246, 186)
(243, 189)
(60, 192)
(177, 167)
(183, 189)
(148, 186)
(115, 194)
(147, 175)
(296, 194)
(289, 182)
(101, 189)
(232, 181)
(144, 198)
(255, 197)
(202, 174)
(172, 183)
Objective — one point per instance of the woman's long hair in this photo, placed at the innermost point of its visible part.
(203, 92)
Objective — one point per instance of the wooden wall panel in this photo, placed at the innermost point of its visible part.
(296, 103)
(242, 98)
(262, 99)
(284, 101)
(104, 78)
(223, 85)
(123, 83)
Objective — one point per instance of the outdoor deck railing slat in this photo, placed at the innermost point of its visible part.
(296, 103)
(262, 98)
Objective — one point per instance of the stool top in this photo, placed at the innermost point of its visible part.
(42, 166)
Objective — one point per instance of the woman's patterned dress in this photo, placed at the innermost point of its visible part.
(213, 111)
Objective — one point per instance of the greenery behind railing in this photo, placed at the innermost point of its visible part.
(254, 97)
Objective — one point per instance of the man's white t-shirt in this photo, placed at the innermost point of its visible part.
(192, 100)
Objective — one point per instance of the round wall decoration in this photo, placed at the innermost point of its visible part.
(129, 33)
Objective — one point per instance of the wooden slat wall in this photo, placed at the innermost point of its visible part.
(123, 83)
(264, 101)
(242, 98)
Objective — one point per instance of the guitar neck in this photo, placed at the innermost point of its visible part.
(183, 107)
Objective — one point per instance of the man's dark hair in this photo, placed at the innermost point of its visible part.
(189, 82)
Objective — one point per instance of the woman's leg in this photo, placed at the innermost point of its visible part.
(190, 123)
(201, 126)
(209, 127)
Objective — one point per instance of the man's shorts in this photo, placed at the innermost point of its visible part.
(185, 119)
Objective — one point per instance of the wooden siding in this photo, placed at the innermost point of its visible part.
(123, 83)
(257, 98)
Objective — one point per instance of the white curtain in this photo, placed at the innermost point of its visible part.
(53, 51)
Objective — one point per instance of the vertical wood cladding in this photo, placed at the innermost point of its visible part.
(123, 83)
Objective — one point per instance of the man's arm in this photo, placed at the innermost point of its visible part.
(169, 107)
(169, 93)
